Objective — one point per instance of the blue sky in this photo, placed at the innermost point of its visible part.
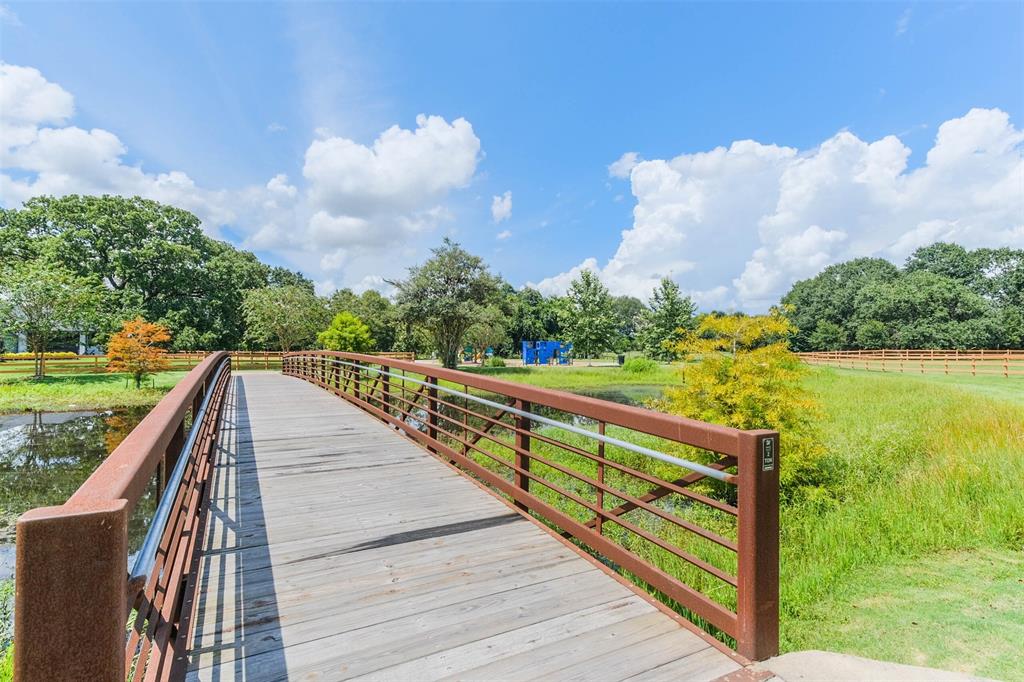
(232, 95)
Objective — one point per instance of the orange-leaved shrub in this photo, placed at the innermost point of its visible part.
(138, 349)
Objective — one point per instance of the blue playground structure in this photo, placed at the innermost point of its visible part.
(547, 353)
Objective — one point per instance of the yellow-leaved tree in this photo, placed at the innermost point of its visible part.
(137, 349)
(738, 371)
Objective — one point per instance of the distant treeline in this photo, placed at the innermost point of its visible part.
(138, 258)
(944, 296)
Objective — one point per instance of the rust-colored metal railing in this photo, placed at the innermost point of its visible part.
(686, 508)
(79, 614)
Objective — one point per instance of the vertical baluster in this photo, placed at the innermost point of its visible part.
(598, 519)
(465, 421)
(432, 410)
(522, 450)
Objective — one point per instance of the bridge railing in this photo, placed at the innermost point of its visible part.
(79, 612)
(685, 508)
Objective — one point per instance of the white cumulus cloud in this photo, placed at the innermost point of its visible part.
(346, 224)
(403, 169)
(738, 225)
(501, 207)
(622, 167)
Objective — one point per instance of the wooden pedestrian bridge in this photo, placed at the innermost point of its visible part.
(363, 517)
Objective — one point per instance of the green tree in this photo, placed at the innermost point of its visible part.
(872, 334)
(830, 297)
(285, 317)
(533, 317)
(629, 312)
(40, 299)
(945, 259)
(346, 333)
(670, 315)
(376, 312)
(829, 336)
(488, 331)
(153, 259)
(445, 295)
(926, 310)
(588, 316)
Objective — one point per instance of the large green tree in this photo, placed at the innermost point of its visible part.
(629, 315)
(153, 259)
(445, 296)
(669, 316)
(923, 309)
(488, 331)
(532, 317)
(589, 316)
(830, 297)
(944, 297)
(283, 317)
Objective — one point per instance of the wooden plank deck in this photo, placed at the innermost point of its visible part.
(336, 548)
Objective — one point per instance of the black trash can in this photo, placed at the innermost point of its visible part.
(621, 359)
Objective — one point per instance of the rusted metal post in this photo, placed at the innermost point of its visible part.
(432, 410)
(71, 605)
(357, 376)
(757, 592)
(385, 389)
(522, 448)
(598, 519)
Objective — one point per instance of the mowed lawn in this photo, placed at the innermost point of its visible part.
(60, 393)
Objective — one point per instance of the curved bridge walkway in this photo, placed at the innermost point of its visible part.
(336, 548)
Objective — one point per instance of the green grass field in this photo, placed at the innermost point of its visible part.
(579, 378)
(82, 391)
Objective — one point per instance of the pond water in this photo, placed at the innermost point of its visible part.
(627, 394)
(45, 457)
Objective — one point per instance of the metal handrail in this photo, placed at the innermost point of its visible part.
(146, 557)
(654, 454)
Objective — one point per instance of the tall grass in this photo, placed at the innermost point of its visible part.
(922, 468)
(915, 468)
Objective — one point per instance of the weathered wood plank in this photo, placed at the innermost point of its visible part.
(337, 548)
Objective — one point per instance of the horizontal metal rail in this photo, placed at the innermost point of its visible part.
(617, 442)
(146, 557)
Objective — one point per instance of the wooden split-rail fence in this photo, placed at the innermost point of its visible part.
(1005, 363)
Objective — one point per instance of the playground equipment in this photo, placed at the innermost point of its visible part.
(547, 353)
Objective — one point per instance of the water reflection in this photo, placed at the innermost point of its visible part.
(45, 456)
